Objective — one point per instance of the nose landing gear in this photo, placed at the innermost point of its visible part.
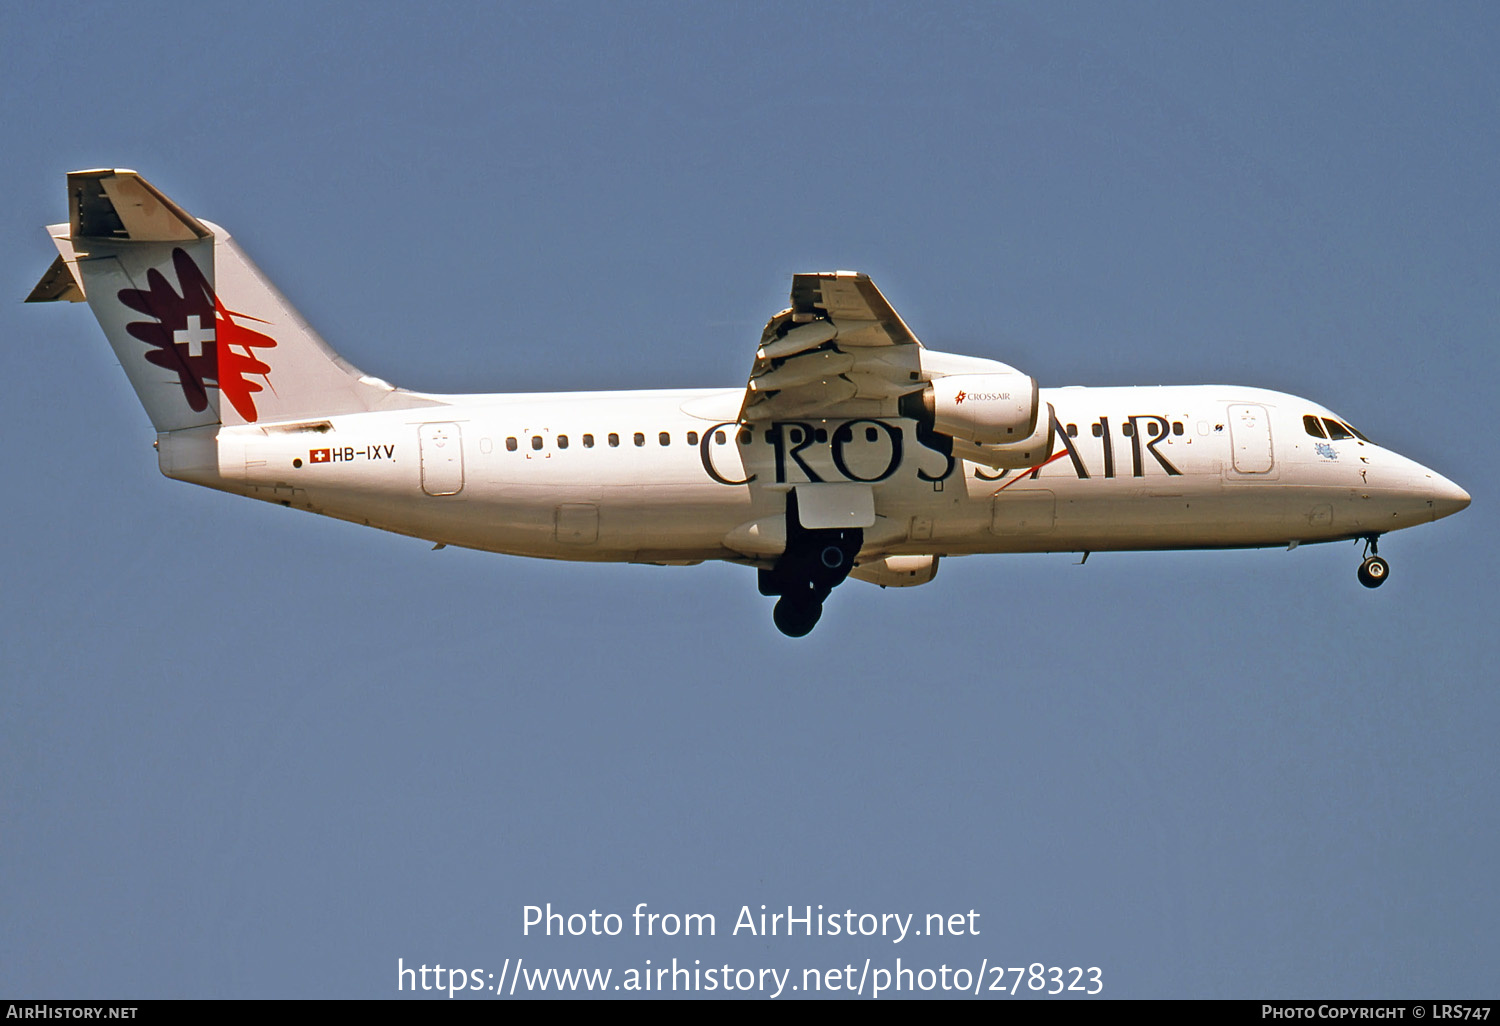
(1374, 570)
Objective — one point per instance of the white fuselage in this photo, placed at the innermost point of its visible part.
(669, 477)
(852, 450)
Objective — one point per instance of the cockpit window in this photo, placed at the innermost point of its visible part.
(1357, 433)
(1314, 426)
(1336, 430)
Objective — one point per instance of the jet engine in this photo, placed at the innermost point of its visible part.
(996, 418)
(986, 409)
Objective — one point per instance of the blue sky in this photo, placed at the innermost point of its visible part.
(249, 752)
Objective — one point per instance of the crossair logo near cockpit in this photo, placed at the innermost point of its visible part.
(196, 338)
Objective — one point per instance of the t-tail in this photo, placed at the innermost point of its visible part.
(203, 336)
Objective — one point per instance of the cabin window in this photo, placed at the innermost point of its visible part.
(692, 438)
(614, 439)
(640, 438)
(1072, 430)
(1127, 429)
(664, 438)
(1153, 429)
(872, 434)
(1098, 429)
(1336, 430)
(588, 441)
(718, 438)
(1176, 427)
(1313, 426)
(510, 444)
(536, 441)
(744, 436)
(820, 435)
(562, 441)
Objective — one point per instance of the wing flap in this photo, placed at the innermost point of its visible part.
(848, 296)
(840, 350)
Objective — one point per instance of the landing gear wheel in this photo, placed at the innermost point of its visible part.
(796, 617)
(1373, 572)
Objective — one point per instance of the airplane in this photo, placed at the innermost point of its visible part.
(853, 450)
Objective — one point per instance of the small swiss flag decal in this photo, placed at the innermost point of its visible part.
(317, 455)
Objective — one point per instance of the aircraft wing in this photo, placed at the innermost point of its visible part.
(840, 350)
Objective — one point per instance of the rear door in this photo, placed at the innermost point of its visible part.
(442, 458)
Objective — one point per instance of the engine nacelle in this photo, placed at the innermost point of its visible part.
(897, 571)
(986, 409)
(1019, 455)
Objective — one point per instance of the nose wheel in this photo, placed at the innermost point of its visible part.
(1374, 570)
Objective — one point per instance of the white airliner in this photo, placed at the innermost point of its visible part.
(854, 451)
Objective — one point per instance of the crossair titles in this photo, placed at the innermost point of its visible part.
(837, 444)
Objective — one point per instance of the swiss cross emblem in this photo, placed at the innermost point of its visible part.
(195, 337)
(317, 455)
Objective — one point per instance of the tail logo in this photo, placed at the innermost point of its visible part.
(196, 338)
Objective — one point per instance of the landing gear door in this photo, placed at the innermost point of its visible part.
(442, 458)
(835, 505)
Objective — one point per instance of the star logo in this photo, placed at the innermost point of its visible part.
(962, 395)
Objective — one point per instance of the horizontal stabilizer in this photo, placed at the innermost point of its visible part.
(120, 204)
(57, 285)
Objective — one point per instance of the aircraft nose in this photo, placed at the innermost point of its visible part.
(1445, 497)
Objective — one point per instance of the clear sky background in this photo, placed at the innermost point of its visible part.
(245, 751)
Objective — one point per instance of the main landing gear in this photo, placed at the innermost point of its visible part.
(815, 562)
(1374, 570)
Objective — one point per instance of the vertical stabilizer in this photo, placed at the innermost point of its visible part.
(203, 336)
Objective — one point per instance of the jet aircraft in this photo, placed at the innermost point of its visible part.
(853, 450)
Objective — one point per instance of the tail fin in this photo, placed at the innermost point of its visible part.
(203, 336)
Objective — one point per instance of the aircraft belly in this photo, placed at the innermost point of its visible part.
(665, 519)
(1068, 514)
(598, 526)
